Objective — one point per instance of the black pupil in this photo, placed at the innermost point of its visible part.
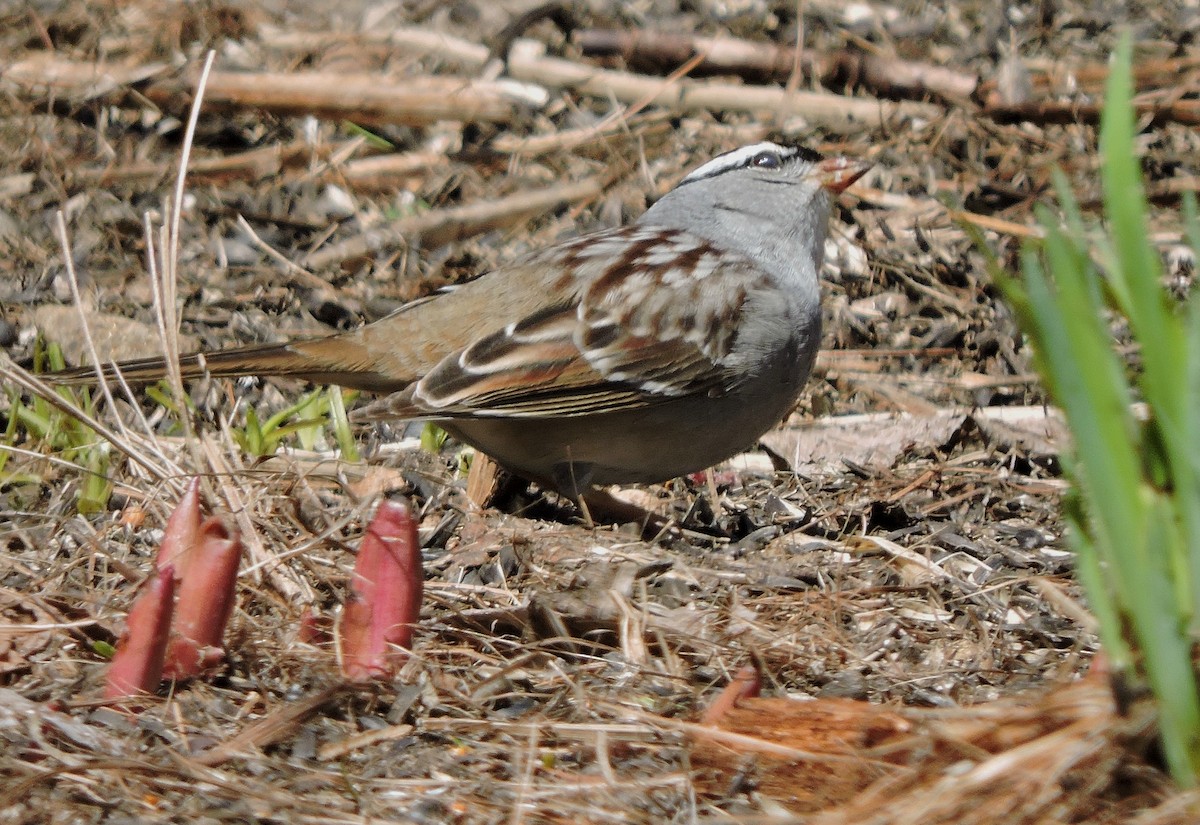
(766, 160)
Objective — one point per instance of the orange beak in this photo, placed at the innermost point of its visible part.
(835, 174)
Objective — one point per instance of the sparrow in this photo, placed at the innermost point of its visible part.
(631, 355)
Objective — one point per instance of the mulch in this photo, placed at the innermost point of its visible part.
(892, 565)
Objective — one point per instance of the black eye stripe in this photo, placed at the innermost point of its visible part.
(806, 154)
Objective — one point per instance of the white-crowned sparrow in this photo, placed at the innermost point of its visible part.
(631, 355)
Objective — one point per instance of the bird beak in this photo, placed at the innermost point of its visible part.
(835, 174)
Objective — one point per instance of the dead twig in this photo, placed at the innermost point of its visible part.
(888, 77)
(1073, 111)
(271, 728)
(370, 99)
(528, 62)
(1091, 77)
(445, 225)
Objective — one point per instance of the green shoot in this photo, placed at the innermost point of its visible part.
(38, 425)
(306, 421)
(1134, 512)
(373, 140)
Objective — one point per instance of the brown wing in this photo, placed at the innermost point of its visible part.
(654, 322)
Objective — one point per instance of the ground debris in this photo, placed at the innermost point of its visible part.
(892, 553)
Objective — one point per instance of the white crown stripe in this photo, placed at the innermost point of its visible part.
(736, 159)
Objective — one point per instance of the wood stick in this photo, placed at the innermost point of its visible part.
(363, 98)
(251, 165)
(883, 76)
(1091, 77)
(638, 127)
(1056, 111)
(444, 225)
(528, 62)
(74, 80)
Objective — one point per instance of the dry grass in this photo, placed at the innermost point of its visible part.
(555, 667)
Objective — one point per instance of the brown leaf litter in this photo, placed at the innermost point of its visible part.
(894, 557)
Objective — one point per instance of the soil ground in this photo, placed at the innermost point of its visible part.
(900, 544)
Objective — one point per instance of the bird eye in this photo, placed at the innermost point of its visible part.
(767, 160)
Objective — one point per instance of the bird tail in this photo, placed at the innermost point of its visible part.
(338, 360)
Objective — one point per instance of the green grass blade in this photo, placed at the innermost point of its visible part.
(1134, 515)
